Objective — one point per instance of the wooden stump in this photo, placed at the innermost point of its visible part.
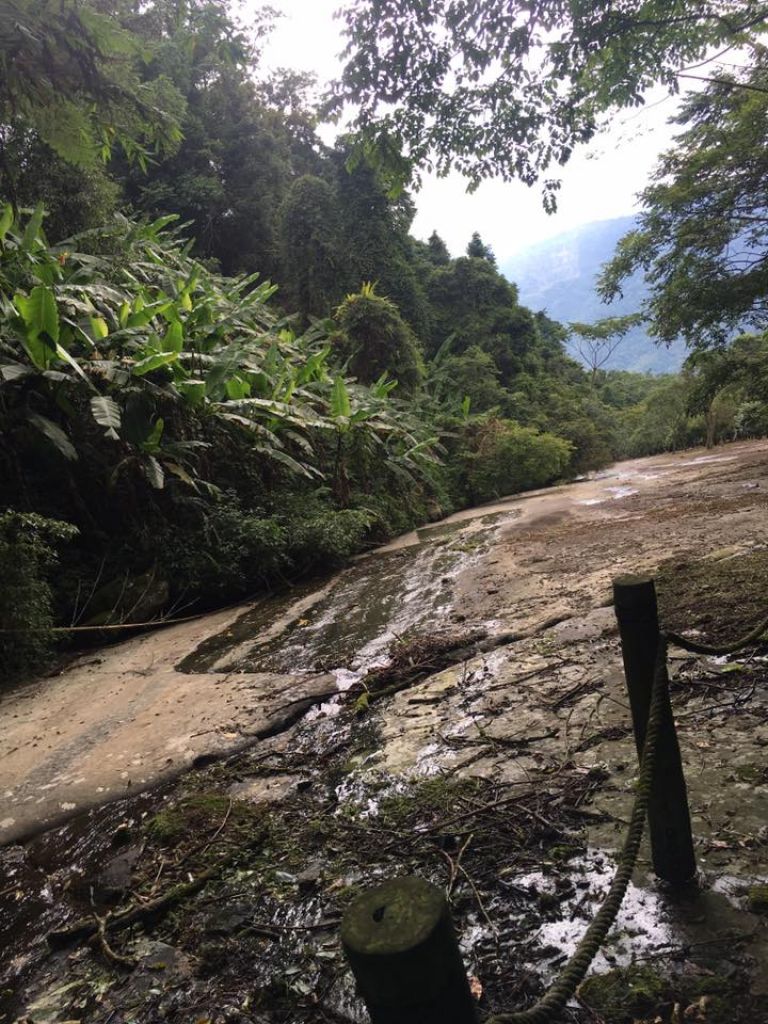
(401, 945)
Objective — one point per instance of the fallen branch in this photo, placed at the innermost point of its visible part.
(100, 939)
(87, 928)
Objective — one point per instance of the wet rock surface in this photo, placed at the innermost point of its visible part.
(494, 757)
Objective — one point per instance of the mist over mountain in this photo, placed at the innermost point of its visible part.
(559, 276)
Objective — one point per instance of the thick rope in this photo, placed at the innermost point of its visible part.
(697, 648)
(564, 988)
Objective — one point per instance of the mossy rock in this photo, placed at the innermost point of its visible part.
(624, 995)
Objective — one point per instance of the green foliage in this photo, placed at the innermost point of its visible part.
(472, 376)
(74, 200)
(327, 536)
(595, 343)
(500, 457)
(479, 250)
(511, 87)
(70, 73)
(702, 235)
(165, 411)
(374, 340)
(27, 552)
(239, 154)
(310, 247)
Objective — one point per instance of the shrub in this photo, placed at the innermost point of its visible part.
(375, 340)
(501, 457)
(27, 551)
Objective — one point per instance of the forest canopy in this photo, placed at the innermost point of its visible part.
(510, 89)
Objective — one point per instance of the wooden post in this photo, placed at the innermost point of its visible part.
(674, 859)
(401, 945)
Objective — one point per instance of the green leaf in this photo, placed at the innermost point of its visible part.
(31, 235)
(152, 442)
(174, 338)
(67, 358)
(340, 399)
(6, 221)
(39, 312)
(192, 391)
(40, 350)
(237, 388)
(99, 328)
(153, 362)
(107, 414)
(55, 434)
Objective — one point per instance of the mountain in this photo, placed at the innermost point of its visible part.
(559, 275)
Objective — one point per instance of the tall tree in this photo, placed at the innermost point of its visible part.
(477, 248)
(312, 266)
(702, 237)
(510, 87)
(240, 152)
(437, 250)
(375, 239)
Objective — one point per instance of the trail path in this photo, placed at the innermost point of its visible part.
(506, 777)
(125, 717)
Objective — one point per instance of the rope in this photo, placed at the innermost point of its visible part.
(563, 989)
(152, 624)
(697, 648)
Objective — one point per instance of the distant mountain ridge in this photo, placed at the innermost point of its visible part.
(559, 276)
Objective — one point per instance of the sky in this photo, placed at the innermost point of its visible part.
(600, 181)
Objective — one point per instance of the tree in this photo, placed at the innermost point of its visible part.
(240, 152)
(310, 247)
(702, 237)
(510, 87)
(375, 341)
(69, 74)
(374, 236)
(597, 342)
(74, 200)
(472, 375)
(437, 250)
(479, 250)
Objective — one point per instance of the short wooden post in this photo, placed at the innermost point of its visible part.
(674, 859)
(401, 945)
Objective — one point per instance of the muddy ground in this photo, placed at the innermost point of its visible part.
(494, 757)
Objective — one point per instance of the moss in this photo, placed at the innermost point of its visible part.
(563, 853)
(757, 899)
(755, 774)
(621, 996)
(193, 816)
(432, 799)
(712, 596)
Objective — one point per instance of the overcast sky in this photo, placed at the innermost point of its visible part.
(599, 182)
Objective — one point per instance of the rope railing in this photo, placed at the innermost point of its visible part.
(385, 974)
(695, 647)
(564, 988)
